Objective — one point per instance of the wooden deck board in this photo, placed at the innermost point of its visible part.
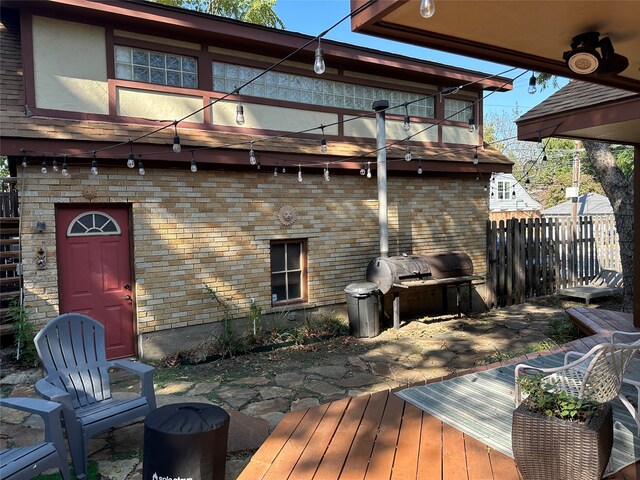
(478, 462)
(601, 322)
(430, 457)
(405, 464)
(454, 462)
(384, 449)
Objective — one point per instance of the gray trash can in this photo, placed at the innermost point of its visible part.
(363, 309)
(185, 440)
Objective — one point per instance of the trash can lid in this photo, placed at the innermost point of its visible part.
(362, 288)
(188, 417)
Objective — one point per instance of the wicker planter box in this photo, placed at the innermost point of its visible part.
(549, 448)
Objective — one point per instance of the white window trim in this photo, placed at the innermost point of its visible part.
(118, 231)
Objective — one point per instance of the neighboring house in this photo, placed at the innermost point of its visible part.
(589, 204)
(509, 199)
(134, 247)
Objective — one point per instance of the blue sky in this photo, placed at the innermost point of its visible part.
(314, 16)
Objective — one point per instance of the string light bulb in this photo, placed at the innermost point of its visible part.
(43, 168)
(24, 162)
(94, 165)
(318, 64)
(420, 167)
(363, 172)
(65, 168)
(194, 165)
(131, 161)
(141, 170)
(252, 156)
(323, 142)
(513, 193)
(283, 169)
(275, 172)
(54, 165)
(406, 125)
(544, 157)
(407, 154)
(427, 8)
(176, 139)
(299, 173)
(532, 84)
(477, 177)
(240, 114)
(257, 164)
(485, 187)
(326, 172)
(475, 157)
(472, 124)
(368, 169)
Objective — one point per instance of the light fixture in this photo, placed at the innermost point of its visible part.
(544, 160)
(472, 124)
(527, 180)
(257, 164)
(141, 169)
(252, 156)
(43, 168)
(299, 173)
(24, 162)
(485, 187)
(427, 8)
(94, 166)
(326, 172)
(532, 84)
(477, 177)
(584, 59)
(194, 165)
(420, 167)
(131, 161)
(513, 193)
(40, 226)
(65, 168)
(240, 114)
(407, 119)
(176, 139)
(54, 165)
(275, 172)
(323, 142)
(318, 65)
(475, 157)
(368, 169)
(283, 169)
(363, 172)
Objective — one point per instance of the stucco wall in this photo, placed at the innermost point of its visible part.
(215, 228)
(70, 66)
(156, 105)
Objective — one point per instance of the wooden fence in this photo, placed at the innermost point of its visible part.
(529, 258)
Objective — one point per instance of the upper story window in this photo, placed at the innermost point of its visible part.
(458, 110)
(156, 67)
(504, 190)
(288, 271)
(298, 88)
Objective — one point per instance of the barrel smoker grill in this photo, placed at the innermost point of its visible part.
(392, 274)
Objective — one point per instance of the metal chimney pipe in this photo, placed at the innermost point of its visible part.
(379, 107)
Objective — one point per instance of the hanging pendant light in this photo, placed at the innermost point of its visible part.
(427, 8)
(318, 65)
(176, 139)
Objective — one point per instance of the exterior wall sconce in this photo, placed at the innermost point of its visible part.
(41, 226)
(41, 259)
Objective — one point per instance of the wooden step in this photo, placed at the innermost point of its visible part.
(10, 254)
(4, 282)
(8, 295)
(5, 221)
(8, 267)
(9, 241)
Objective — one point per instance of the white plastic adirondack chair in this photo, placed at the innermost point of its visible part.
(596, 375)
(24, 463)
(72, 350)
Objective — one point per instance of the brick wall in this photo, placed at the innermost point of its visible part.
(215, 228)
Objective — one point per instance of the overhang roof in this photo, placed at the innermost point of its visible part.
(585, 111)
(531, 34)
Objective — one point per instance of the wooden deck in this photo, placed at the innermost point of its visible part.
(601, 322)
(379, 436)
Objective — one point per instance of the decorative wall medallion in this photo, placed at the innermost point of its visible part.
(89, 193)
(287, 215)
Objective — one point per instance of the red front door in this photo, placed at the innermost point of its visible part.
(94, 270)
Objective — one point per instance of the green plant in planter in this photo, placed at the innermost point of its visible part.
(24, 332)
(544, 398)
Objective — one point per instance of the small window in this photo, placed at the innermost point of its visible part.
(288, 271)
(504, 190)
(458, 110)
(156, 67)
(93, 223)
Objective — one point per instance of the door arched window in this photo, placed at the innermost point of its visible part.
(93, 223)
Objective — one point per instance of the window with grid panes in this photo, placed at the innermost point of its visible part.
(458, 110)
(288, 271)
(156, 67)
(504, 190)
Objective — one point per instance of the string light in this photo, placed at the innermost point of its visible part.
(252, 156)
(131, 161)
(485, 188)
(299, 173)
(318, 65)
(326, 172)
(176, 139)
(240, 114)
(475, 157)
(532, 84)
(141, 170)
(94, 165)
(54, 165)
(477, 177)
(323, 142)
(275, 172)
(43, 168)
(427, 8)
(472, 124)
(257, 164)
(406, 125)
(407, 154)
(24, 162)
(194, 165)
(363, 172)
(283, 169)
(368, 169)
(420, 167)
(65, 168)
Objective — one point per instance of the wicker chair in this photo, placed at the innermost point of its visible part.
(596, 375)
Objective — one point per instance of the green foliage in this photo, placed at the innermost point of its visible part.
(260, 12)
(4, 166)
(230, 344)
(92, 473)
(542, 398)
(255, 317)
(624, 158)
(24, 332)
(562, 330)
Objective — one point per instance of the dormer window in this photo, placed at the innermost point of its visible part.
(156, 67)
